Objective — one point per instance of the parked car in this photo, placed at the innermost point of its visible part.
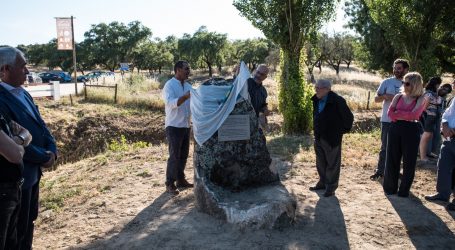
(33, 77)
(82, 78)
(65, 77)
(47, 77)
(62, 77)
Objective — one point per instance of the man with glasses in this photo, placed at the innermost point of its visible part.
(385, 93)
(331, 119)
(176, 95)
(258, 94)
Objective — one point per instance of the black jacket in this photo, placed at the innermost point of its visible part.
(335, 119)
(35, 153)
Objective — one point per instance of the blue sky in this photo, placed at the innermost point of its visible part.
(32, 21)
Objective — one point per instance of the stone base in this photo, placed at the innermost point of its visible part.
(269, 206)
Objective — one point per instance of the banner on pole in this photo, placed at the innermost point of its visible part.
(64, 34)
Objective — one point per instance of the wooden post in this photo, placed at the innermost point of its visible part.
(74, 56)
(71, 100)
(85, 92)
(368, 102)
(115, 95)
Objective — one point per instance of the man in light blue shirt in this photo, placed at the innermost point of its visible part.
(385, 93)
(176, 95)
(446, 162)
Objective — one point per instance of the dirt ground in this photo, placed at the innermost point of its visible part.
(123, 206)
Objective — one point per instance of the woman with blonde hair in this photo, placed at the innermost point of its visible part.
(404, 135)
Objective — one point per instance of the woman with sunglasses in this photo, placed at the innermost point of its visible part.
(404, 135)
(430, 116)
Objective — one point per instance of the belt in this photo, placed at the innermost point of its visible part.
(17, 184)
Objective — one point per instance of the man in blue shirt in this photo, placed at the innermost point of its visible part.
(331, 119)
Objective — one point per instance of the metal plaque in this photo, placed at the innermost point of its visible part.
(235, 128)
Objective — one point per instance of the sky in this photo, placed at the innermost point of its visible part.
(33, 21)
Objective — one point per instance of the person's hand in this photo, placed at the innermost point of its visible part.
(51, 161)
(17, 129)
(187, 95)
(446, 131)
(388, 97)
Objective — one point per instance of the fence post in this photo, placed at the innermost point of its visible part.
(71, 100)
(115, 95)
(85, 92)
(56, 90)
(368, 102)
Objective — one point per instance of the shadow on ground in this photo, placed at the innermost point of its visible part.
(174, 223)
(420, 231)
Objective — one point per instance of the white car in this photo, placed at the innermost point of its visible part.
(33, 77)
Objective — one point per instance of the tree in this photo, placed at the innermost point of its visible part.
(288, 24)
(253, 51)
(115, 42)
(417, 30)
(313, 54)
(273, 59)
(374, 52)
(333, 55)
(347, 54)
(186, 50)
(209, 46)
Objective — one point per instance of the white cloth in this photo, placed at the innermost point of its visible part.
(211, 105)
(389, 86)
(449, 115)
(176, 116)
(19, 93)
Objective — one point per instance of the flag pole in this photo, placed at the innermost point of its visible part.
(74, 56)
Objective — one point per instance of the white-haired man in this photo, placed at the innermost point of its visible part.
(17, 104)
(331, 119)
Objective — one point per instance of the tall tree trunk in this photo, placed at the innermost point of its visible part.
(209, 65)
(294, 96)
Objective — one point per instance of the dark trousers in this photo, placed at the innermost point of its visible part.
(10, 200)
(27, 216)
(179, 146)
(435, 143)
(328, 163)
(403, 141)
(446, 164)
(385, 126)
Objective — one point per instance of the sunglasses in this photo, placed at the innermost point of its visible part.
(407, 84)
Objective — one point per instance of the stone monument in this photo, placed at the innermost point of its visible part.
(233, 178)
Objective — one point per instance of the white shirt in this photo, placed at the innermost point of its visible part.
(176, 116)
(19, 93)
(449, 115)
(389, 86)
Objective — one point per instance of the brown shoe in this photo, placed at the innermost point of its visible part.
(184, 184)
(172, 189)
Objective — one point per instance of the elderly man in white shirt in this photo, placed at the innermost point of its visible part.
(176, 95)
(446, 162)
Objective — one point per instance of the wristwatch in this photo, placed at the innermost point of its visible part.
(22, 139)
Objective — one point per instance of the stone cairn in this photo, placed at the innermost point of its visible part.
(234, 181)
